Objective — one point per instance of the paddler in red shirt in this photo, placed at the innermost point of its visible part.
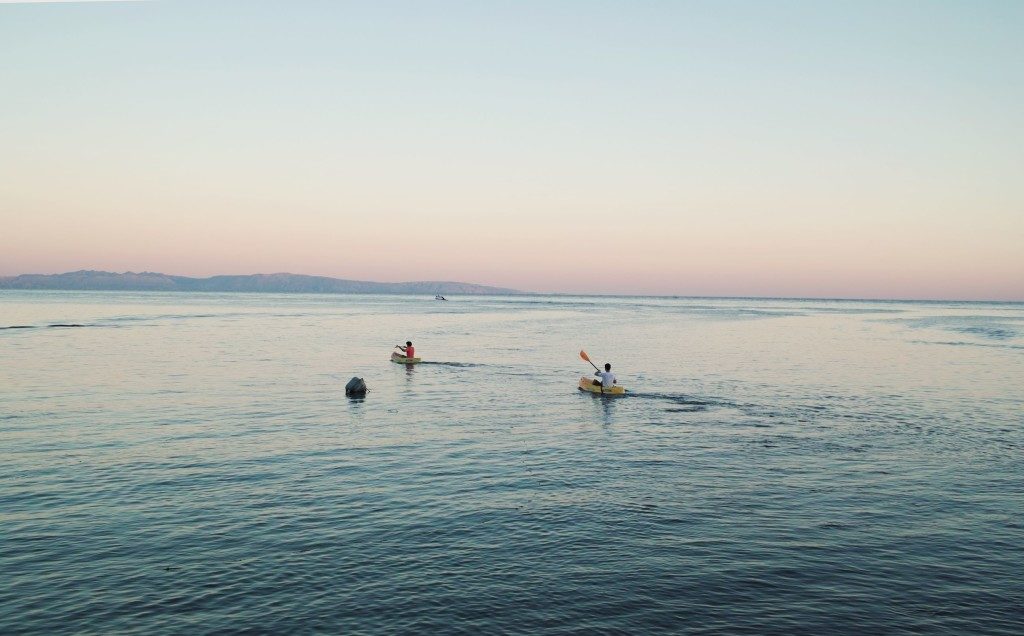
(408, 349)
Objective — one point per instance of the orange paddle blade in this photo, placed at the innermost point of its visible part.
(583, 354)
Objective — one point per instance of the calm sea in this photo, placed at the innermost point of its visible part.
(189, 464)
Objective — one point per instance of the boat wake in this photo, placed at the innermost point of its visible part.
(53, 326)
(685, 403)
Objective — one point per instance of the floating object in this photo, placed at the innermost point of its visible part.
(355, 386)
(400, 359)
(587, 384)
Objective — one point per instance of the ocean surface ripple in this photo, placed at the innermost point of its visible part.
(189, 463)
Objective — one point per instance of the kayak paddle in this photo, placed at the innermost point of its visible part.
(583, 354)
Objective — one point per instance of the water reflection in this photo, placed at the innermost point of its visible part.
(607, 409)
(606, 405)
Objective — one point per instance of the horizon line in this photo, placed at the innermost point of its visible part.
(513, 290)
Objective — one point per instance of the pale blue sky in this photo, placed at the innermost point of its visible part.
(791, 148)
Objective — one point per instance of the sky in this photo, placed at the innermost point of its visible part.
(802, 149)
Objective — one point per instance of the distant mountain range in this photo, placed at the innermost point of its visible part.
(270, 283)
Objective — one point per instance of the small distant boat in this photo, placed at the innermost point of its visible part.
(400, 359)
(440, 297)
(587, 384)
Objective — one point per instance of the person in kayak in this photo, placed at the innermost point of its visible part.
(608, 379)
(408, 349)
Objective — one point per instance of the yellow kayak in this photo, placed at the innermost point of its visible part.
(400, 359)
(587, 384)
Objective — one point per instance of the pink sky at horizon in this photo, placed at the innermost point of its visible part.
(701, 273)
(669, 150)
(724, 253)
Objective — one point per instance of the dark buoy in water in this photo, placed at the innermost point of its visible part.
(356, 387)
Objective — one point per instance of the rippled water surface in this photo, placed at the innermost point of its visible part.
(189, 463)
